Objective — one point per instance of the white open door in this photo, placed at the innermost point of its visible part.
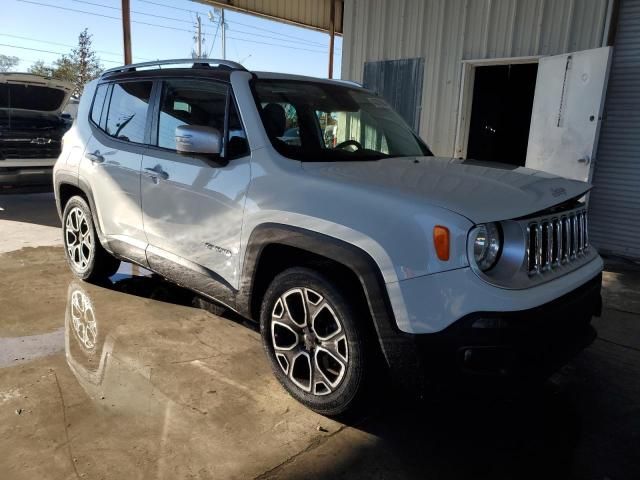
(567, 111)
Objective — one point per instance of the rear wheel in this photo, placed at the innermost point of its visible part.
(312, 338)
(85, 255)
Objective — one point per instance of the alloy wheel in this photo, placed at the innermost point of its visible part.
(309, 341)
(84, 320)
(78, 238)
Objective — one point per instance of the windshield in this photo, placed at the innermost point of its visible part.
(30, 97)
(320, 122)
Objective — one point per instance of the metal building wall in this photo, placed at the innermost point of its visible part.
(445, 32)
(615, 201)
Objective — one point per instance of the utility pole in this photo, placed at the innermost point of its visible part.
(224, 34)
(221, 25)
(332, 35)
(198, 36)
(126, 31)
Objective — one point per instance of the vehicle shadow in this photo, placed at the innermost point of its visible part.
(529, 436)
(29, 205)
(133, 280)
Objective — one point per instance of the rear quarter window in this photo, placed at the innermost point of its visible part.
(98, 103)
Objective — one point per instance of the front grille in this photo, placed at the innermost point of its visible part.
(10, 150)
(556, 241)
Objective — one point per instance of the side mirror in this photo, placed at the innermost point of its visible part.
(198, 139)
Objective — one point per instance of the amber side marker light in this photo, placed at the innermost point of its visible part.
(441, 241)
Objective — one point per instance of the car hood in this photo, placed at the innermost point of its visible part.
(32, 93)
(481, 191)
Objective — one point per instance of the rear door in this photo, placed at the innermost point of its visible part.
(567, 112)
(193, 205)
(112, 162)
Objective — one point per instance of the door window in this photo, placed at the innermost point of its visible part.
(127, 114)
(281, 122)
(202, 103)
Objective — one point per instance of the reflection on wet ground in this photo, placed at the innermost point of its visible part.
(138, 378)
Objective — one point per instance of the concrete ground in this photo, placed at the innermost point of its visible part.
(138, 379)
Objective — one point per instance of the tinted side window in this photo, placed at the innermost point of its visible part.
(127, 114)
(98, 102)
(281, 122)
(190, 102)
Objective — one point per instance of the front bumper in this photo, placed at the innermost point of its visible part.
(498, 348)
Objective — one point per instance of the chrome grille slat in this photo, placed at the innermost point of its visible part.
(574, 237)
(556, 240)
(538, 247)
(586, 232)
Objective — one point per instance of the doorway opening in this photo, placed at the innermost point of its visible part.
(501, 112)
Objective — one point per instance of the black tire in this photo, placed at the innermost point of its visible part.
(86, 257)
(335, 393)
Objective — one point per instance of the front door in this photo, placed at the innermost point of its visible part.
(567, 112)
(193, 205)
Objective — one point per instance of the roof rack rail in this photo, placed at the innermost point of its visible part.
(178, 61)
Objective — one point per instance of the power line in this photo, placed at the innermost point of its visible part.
(46, 51)
(62, 44)
(274, 38)
(133, 11)
(294, 37)
(191, 22)
(213, 43)
(165, 26)
(168, 6)
(103, 16)
(275, 45)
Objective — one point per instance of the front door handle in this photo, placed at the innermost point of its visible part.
(157, 172)
(94, 157)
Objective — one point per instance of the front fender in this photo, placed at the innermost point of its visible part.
(395, 345)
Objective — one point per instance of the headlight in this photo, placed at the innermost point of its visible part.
(487, 244)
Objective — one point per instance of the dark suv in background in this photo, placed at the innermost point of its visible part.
(31, 127)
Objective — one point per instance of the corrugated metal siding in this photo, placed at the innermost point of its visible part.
(400, 83)
(615, 201)
(445, 32)
(309, 13)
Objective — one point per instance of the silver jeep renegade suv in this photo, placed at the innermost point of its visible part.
(310, 206)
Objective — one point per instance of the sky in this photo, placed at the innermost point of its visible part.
(44, 29)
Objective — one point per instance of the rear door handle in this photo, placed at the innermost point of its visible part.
(95, 157)
(157, 172)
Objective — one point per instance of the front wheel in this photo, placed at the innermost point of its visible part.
(85, 255)
(314, 342)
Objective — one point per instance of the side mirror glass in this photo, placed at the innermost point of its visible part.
(198, 139)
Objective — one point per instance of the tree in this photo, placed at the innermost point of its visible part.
(84, 60)
(79, 67)
(41, 68)
(7, 62)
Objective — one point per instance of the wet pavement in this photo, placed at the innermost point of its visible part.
(138, 378)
